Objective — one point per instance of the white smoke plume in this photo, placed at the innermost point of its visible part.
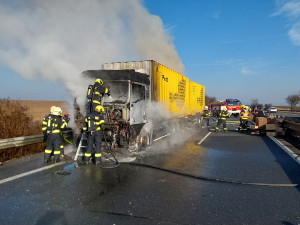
(59, 39)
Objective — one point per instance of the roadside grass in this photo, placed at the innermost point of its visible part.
(15, 121)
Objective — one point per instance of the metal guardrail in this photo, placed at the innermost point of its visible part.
(26, 140)
(20, 141)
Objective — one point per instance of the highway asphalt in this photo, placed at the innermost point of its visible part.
(226, 178)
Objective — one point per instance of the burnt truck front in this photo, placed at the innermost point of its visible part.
(125, 108)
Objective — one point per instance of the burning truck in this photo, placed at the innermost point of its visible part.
(147, 101)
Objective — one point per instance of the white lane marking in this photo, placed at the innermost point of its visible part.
(203, 139)
(29, 173)
(286, 149)
(161, 137)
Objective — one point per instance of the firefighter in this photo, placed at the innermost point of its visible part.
(244, 118)
(205, 116)
(223, 115)
(95, 94)
(44, 126)
(255, 111)
(66, 117)
(52, 125)
(92, 128)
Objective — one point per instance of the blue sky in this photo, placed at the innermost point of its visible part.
(237, 49)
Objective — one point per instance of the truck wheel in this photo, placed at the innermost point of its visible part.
(147, 139)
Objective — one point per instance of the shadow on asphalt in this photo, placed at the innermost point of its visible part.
(289, 166)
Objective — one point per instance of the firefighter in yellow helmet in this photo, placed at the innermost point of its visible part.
(95, 94)
(223, 115)
(93, 125)
(52, 126)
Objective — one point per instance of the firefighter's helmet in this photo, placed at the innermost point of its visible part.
(52, 109)
(99, 109)
(57, 111)
(243, 106)
(206, 107)
(99, 81)
(225, 109)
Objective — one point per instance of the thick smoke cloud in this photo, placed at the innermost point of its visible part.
(59, 39)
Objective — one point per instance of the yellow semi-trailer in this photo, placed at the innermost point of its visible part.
(197, 98)
(132, 115)
(169, 88)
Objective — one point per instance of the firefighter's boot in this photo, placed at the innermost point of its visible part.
(47, 156)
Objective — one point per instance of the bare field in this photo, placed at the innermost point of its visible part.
(38, 109)
(297, 108)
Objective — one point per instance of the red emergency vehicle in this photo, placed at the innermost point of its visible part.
(233, 106)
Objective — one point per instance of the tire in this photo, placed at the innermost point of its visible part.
(144, 140)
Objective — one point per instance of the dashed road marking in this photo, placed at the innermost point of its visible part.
(29, 173)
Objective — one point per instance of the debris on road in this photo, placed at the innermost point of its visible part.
(63, 172)
(264, 125)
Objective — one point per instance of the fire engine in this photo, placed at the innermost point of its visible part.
(233, 106)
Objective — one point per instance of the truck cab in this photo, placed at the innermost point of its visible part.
(125, 108)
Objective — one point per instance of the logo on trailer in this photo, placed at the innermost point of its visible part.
(179, 96)
(164, 78)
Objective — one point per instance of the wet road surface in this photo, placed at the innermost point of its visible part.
(185, 183)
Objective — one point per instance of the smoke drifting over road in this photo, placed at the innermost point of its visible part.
(59, 39)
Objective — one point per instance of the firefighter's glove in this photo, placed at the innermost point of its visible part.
(45, 136)
(67, 118)
(102, 126)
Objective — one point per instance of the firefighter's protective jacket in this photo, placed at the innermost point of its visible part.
(98, 92)
(93, 122)
(244, 115)
(223, 115)
(52, 124)
(206, 114)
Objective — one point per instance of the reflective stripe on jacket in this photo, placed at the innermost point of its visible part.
(244, 115)
(53, 124)
(223, 115)
(206, 114)
(93, 122)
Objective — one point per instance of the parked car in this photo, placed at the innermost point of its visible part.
(272, 110)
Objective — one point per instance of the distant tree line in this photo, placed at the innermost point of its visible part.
(255, 103)
(209, 100)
